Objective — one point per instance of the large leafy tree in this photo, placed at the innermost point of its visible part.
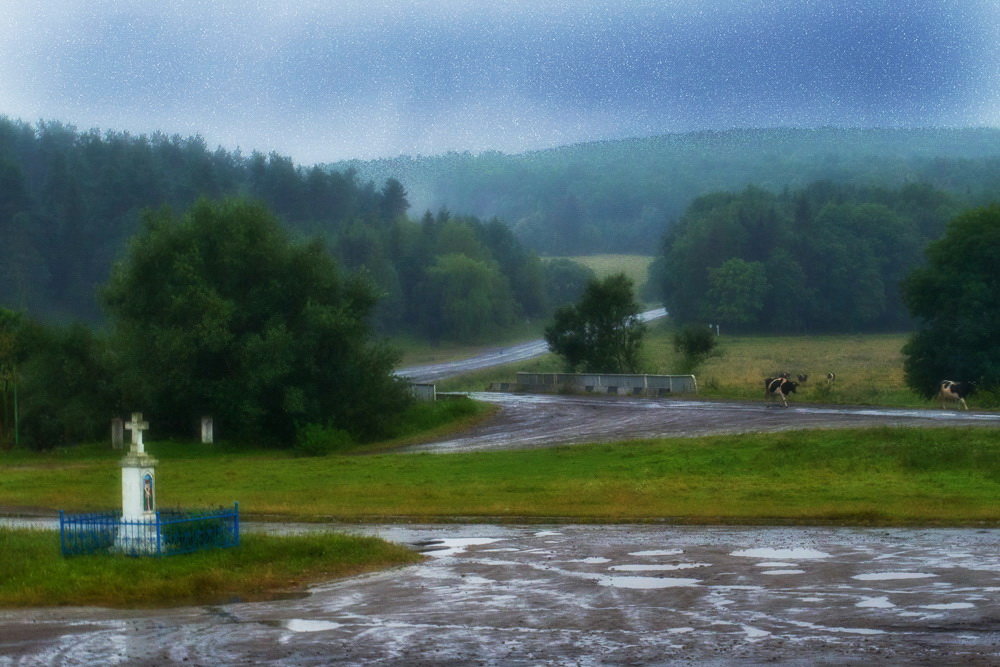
(219, 312)
(736, 293)
(465, 299)
(603, 332)
(956, 300)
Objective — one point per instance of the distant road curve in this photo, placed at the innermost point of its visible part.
(495, 357)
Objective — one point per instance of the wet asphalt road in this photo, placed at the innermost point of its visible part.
(584, 595)
(527, 420)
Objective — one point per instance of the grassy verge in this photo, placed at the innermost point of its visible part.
(890, 476)
(34, 574)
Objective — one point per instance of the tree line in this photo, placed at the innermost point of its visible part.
(614, 196)
(824, 258)
(70, 201)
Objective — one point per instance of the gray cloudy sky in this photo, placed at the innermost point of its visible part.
(337, 79)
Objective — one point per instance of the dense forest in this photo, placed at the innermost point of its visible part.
(827, 257)
(615, 196)
(69, 202)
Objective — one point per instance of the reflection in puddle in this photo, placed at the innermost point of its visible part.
(646, 583)
(665, 552)
(781, 554)
(886, 576)
(876, 603)
(304, 625)
(657, 568)
(452, 546)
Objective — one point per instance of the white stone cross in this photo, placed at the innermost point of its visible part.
(137, 426)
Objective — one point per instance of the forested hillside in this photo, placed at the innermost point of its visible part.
(828, 257)
(69, 201)
(616, 196)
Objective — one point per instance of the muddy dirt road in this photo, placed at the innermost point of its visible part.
(584, 595)
(527, 420)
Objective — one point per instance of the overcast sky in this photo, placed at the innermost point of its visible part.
(324, 80)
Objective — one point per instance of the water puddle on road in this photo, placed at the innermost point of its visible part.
(886, 576)
(781, 554)
(645, 583)
(657, 568)
(304, 625)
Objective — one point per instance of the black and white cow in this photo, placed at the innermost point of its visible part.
(779, 387)
(949, 390)
(831, 377)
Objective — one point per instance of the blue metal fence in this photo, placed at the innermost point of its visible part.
(167, 533)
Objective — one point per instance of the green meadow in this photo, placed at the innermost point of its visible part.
(32, 574)
(881, 476)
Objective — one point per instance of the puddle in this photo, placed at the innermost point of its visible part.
(456, 545)
(779, 565)
(593, 560)
(657, 568)
(755, 633)
(780, 572)
(876, 603)
(886, 576)
(781, 554)
(665, 552)
(303, 625)
(951, 605)
(646, 583)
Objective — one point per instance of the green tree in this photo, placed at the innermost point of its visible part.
(67, 386)
(465, 299)
(603, 332)
(219, 312)
(565, 280)
(956, 300)
(695, 343)
(736, 293)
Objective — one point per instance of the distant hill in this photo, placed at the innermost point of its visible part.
(619, 196)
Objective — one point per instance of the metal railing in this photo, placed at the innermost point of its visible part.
(166, 533)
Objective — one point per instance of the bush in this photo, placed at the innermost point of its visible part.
(695, 343)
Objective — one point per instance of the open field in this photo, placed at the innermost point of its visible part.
(856, 477)
(869, 367)
(33, 574)
(635, 267)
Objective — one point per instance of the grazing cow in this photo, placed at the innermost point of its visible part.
(949, 390)
(779, 386)
(831, 377)
(802, 378)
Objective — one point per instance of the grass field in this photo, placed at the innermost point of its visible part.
(635, 267)
(33, 574)
(872, 476)
(869, 368)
